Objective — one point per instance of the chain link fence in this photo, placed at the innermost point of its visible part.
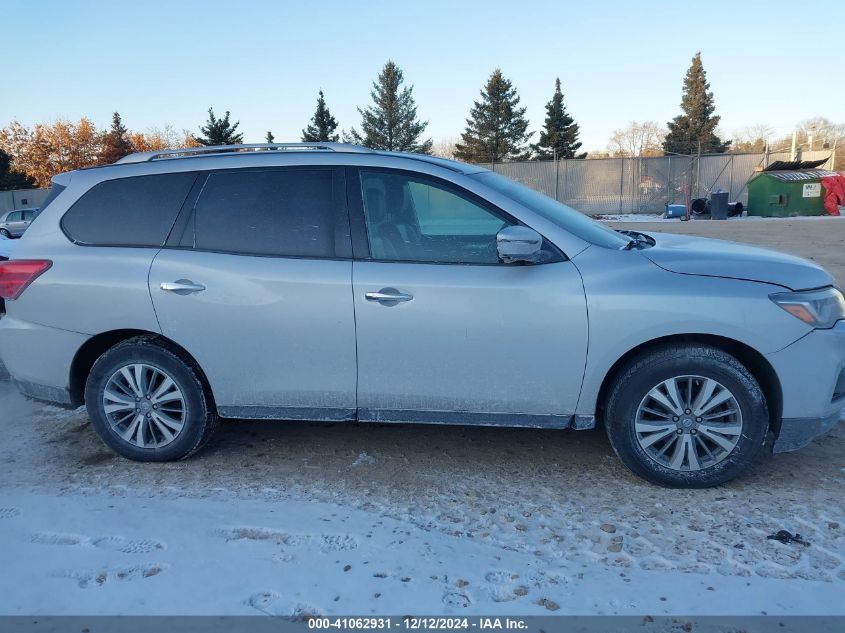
(642, 185)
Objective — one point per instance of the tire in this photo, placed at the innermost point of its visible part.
(635, 416)
(156, 437)
(699, 206)
(5, 233)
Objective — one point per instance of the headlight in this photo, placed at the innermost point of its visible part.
(820, 308)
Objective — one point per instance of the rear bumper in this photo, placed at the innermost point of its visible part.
(38, 358)
(811, 373)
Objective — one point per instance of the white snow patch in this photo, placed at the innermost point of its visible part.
(364, 459)
(654, 217)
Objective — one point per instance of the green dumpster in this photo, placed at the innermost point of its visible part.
(787, 192)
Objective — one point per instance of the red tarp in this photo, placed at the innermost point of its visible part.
(835, 196)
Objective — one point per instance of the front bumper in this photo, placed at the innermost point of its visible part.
(795, 433)
(811, 377)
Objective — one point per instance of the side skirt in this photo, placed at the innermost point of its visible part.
(472, 418)
(311, 414)
(406, 416)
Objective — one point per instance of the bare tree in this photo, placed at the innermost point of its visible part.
(445, 148)
(752, 138)
(638, 139)
(821, 133)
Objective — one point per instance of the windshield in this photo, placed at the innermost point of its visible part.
(565, 217)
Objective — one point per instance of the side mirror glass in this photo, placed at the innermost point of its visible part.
(519, 244)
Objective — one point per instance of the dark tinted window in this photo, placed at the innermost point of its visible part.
(137, 211)
(280, 212)
(14, 216)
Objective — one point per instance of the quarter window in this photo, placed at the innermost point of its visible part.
(411, 218)
(274, 212)
(135, 211)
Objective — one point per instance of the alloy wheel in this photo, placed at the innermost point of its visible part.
(688, 423)
(144, 405)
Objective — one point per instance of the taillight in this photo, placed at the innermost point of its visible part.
(17, 274)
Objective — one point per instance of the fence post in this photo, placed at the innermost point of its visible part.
(556, 172)
(565, 178)
(731, 185)
(669, 184)
(621, 182)
(636, 181)
(698, 172)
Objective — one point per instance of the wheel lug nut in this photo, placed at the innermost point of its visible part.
(687, 411)
(693, 431)
(698, 419)
(675, 418)
(679, 431)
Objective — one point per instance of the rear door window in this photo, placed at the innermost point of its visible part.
(135, 211)
(277, 212)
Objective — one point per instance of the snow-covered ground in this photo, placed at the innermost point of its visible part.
(654, 217)
(283, 518)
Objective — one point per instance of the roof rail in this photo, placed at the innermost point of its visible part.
(206, 150)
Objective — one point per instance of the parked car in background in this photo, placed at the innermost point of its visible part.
(14, 223)
(333, 282)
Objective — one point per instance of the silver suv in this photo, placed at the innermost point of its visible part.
(332, 282)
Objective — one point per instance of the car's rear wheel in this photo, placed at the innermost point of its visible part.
(688, 416)
(147, 403)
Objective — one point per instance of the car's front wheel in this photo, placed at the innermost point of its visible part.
(687, 416)
(147, 403)
(5, 233)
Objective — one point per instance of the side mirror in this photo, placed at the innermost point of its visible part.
(519, 244)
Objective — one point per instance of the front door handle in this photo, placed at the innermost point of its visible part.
(182, 286)
(388, 296)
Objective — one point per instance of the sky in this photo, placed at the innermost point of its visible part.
(160, 63)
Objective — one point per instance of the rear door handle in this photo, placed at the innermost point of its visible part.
(388, 296)
(182, 286)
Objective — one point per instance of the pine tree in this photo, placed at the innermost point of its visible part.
(116, 143)
(269, 138)
(391, 122)
(559, 136)
(323, 124)
(497, 127)
(11, 179)
(694, 130)
(219, 131)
